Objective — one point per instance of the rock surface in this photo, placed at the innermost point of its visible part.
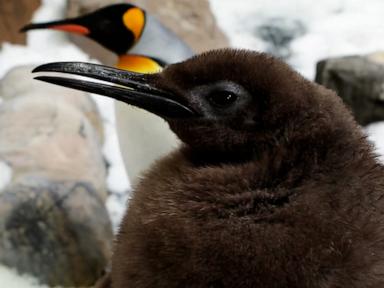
(359, 81)
(27, 86)
(53, 221)
(192, 21)
(60, 232)
(46, 134)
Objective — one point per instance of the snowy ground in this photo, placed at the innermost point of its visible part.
(11, 279)
(300, 31)
(311, 31)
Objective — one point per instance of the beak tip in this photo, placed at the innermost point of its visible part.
(50, 67)
(40, 78)
(38, 69)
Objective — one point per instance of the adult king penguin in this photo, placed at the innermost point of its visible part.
(123, 28)
(275, 185)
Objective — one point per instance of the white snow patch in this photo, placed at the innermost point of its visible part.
(117, 181)
(116, 206)
(332, 27)
(5, 175)
(375, 134)
(11, 279)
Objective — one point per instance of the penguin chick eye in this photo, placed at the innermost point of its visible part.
(222, 99)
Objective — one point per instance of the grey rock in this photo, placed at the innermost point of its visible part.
(43, 137)
(53, 221)
(359, 81)
(27, 86)
(60, 233)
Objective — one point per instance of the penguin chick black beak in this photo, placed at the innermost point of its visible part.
(133, 88)
(116, 27)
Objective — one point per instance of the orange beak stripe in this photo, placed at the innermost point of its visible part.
(73, 28)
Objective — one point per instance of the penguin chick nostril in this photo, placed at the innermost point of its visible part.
(222, 99)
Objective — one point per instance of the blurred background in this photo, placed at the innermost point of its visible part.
(63, 183)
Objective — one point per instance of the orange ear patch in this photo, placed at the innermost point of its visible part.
(72, 28)
(138, 63)
(134, 20)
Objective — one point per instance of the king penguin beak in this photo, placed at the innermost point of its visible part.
(133, 88)
(68, 25)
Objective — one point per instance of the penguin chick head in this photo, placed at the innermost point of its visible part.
(116, 27)
(223, 100)
(242, 97)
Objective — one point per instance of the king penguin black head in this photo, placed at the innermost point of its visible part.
(223, 100)
(116, 27)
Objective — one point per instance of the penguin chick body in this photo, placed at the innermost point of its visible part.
(275, 186)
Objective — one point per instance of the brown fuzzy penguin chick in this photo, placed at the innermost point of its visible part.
(276, 185)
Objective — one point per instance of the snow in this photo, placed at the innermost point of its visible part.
(116, 205)
(5, 175)
(375, 132)
(11, 279)
(332, 27)
(117, 181)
